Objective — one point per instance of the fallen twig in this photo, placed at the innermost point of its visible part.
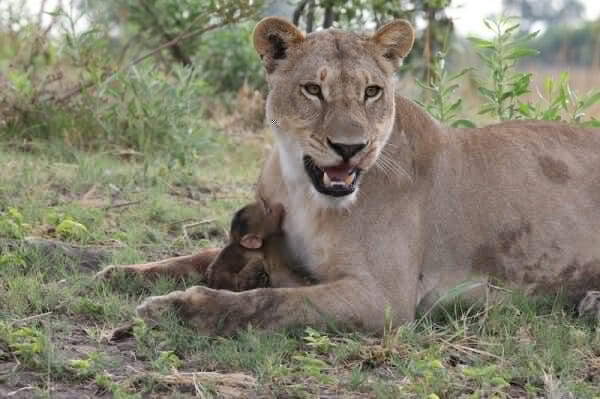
(122, 204)
(185, 227)
(13, 393)
(28, 319)
(467, 349)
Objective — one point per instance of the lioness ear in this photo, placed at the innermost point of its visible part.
(251, 241)
(396, 38)
(273, 36)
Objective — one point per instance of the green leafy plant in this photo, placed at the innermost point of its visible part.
(166, 362)
(12, 224)
(320, 342)
(31, 346)
(312, 366)
(105, 382)
(70, 228)
(440, 90)
(430, 375)
(560, 102)
(491, 380)
(89, 366)
(12, 260)
(228, 60)
(500, 55)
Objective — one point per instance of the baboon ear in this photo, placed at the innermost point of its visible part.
(273, 36)
(251, 241)
(396, 38)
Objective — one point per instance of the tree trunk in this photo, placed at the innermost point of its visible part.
(329, 16)
(298, 12)
(310, 16)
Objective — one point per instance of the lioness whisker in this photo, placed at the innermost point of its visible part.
(393, 166)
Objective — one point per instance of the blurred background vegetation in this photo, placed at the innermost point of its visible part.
(145, 75)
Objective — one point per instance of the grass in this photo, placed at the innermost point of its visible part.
(54, 317)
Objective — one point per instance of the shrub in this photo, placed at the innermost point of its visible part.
(227, 59)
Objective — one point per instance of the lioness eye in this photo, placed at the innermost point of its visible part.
(313, 89)
(372, 91)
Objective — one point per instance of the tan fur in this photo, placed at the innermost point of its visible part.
(518, 202)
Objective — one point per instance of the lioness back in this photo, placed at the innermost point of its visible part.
(519, 201)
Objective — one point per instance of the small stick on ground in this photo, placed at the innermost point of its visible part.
(28, 319)
(185, 228)
(18, 391)
(122, 204)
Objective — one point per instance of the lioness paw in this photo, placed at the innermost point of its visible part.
(590, 305)
(210, 312)
(155, 306)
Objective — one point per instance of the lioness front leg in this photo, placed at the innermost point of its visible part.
(175, 267)
(346, 302)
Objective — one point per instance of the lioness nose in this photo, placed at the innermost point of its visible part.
(346, 151)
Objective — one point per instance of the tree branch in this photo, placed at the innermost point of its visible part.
(182, 36)
(176, 50)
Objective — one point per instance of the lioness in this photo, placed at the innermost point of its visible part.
(390, 209)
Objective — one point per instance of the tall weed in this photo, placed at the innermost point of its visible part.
(505, 92)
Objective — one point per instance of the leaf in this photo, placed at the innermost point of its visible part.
(422, 84)
(512, 28)
(460, 74)
(463, 123)
(455, 106)
(530, 36)
(487, 109)
(480, 43)
(448, 90)
(590, 101)
(487, 23)
(521, 52)
(487, 93)
(59, 12)
(526, 110)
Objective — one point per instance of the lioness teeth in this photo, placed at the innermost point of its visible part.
(349, 179)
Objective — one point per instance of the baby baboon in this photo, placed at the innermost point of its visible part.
(256, 255)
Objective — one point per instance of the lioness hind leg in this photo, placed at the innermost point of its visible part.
(175, 267)
(590, 305)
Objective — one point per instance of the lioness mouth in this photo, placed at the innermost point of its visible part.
(336, 181)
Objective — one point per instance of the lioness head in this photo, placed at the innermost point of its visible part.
(331, 101)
